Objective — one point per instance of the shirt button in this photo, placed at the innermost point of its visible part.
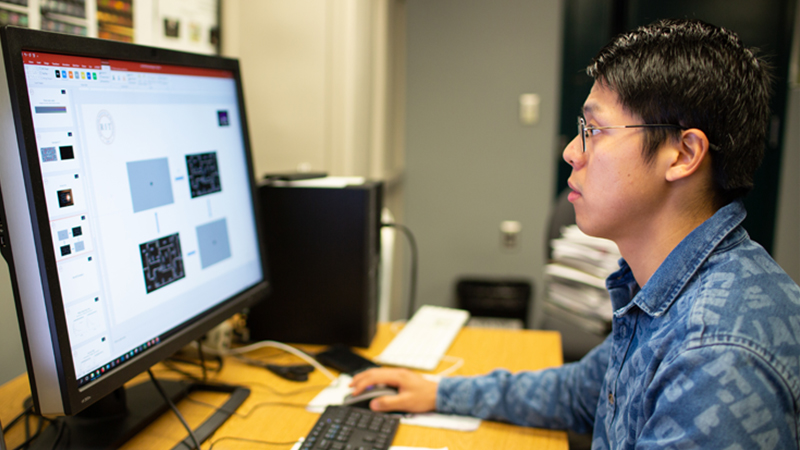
(610, 398)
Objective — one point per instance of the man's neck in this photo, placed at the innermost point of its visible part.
(649, 247)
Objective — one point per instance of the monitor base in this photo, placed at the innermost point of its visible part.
(114, 420)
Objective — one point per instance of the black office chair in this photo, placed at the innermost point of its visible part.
(499, 298)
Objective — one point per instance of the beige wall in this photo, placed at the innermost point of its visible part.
(321, 83)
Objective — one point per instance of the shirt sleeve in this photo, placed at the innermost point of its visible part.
(719, 397)
(559, 398)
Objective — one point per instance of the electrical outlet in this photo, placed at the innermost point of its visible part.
(529, 109)
(509, 234)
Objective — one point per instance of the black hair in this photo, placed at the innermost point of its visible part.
(696, 75)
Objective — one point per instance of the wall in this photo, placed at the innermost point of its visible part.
(324, 90)
(470, 164)
(319, 83)
(12, 360)
(282, 50)
(787, 232)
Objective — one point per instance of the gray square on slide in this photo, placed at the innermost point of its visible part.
(150, 184)
(63, 235)
(212, 240)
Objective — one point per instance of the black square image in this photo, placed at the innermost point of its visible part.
(203, 174)
(162, 262)
(65, 250)
(66, 152)
(65, 198)
(77, 231)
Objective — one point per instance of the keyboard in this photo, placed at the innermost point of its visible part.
(422, 343)
(348, 427)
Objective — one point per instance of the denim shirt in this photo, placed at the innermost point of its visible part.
(706, 355)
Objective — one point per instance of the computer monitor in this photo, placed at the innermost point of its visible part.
(128, 214)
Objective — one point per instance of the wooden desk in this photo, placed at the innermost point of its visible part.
(262, 418)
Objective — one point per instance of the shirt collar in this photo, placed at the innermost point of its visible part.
(677, 269)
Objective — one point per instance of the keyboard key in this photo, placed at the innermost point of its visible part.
(350, 428)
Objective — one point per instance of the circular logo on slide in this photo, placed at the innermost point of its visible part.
(105, 127)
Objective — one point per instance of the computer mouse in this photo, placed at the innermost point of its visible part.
(362, 400)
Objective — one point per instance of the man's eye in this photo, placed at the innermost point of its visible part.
(591, 131)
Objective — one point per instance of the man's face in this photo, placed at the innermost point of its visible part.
(614, 192)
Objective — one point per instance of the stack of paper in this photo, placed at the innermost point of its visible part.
(576, 277)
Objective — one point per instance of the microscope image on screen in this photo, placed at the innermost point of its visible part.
(203, 174)
(150, 184)
(65, 198)
(162, 262)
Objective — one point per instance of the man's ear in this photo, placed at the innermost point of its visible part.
(690, 153)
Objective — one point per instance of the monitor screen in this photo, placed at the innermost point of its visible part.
(128, 192)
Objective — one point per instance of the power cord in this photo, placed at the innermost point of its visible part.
(20, 416)
(412, 242)
(26, 415)
(174, 409)
(202, 359)
(251, 441)
(252, 410)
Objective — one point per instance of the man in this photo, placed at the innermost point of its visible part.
(704, 351)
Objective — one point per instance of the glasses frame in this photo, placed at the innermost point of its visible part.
(583, 128)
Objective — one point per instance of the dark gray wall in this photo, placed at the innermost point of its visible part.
(470, 164)
(787, 234)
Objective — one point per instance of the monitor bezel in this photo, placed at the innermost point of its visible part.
(74, 398)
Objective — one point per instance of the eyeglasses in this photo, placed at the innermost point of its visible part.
(584, 130)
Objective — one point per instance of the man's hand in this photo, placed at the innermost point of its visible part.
(415, 393)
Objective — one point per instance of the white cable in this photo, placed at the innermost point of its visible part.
(274, 344)
(457, 365)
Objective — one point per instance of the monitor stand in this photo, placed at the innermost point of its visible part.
(119, 416)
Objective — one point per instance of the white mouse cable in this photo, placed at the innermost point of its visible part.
(274, 344)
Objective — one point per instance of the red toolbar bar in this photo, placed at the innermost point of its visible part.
(80, 62)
